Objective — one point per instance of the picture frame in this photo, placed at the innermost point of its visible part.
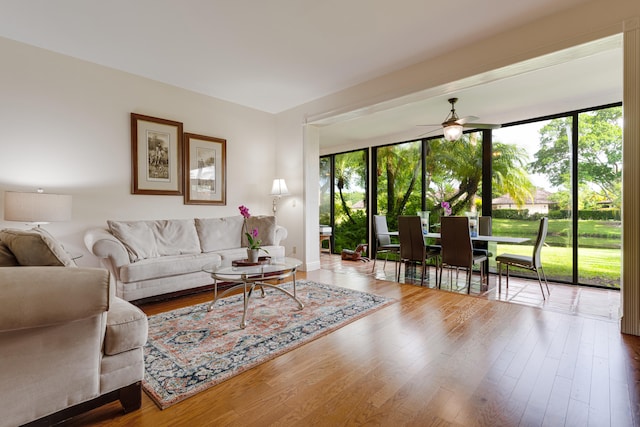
(205, 170)
(156, 156)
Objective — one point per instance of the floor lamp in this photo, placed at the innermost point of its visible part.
(278, 189)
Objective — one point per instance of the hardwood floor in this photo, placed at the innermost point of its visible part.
(433, 358)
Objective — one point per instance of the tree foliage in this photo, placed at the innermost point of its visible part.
(398, 174)
(460, 163)
(453, 173)
(599, 154)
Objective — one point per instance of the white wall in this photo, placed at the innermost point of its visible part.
(65, 127)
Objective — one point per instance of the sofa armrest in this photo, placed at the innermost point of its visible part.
(103, 244)
(127, 327)
(281, 234)
(41, 296)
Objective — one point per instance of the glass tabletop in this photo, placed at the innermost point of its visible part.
(275, 265)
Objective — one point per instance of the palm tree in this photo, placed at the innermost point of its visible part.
(461, 162)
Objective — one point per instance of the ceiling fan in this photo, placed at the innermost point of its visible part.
(452, 125)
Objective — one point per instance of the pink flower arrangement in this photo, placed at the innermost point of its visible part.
(446, 207)
(252, 236)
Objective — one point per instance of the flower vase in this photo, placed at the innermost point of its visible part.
(473, 223)
(424, 220)
(253, 255)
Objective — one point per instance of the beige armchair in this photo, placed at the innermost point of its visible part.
(67, 344)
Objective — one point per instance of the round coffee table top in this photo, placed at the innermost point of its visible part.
(275, 266)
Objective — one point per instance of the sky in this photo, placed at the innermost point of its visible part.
(526, 136)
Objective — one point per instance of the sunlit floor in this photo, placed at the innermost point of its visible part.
(577, 300)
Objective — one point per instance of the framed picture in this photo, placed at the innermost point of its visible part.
(156, 156)
(205, 170)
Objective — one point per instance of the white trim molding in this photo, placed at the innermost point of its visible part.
(630, 292)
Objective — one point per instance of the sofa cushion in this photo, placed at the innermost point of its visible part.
(36, 247)
(127, 327)
(176, 237)
(137, 237)
(266, 226)
(217, 234)
(166, 266)
(7, 258)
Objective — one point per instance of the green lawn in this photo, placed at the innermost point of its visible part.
(599, 254)
(597, 266)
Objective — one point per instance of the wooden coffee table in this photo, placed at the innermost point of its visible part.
(248, 277)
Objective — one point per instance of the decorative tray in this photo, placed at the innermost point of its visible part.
(246, 263)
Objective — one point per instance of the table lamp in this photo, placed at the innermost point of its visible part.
(36, 208)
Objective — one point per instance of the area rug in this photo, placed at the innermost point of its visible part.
(191, 349)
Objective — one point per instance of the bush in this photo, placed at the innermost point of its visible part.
(560, 214)
(600, 214)
(511, 214)
(347, 234)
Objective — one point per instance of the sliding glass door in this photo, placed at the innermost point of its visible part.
(344, 198)
(572, 176)
(599, 172)
(566, 167)
(398, 180)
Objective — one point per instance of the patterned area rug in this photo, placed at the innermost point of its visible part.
(191, 349)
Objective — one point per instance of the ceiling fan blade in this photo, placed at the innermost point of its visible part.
(453, 120)
(481, 126)
(463, 120)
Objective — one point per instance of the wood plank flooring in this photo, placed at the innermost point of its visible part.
(433, 358)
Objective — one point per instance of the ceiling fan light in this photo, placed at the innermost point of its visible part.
(452, 132)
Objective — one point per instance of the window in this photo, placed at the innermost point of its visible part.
(344, 176)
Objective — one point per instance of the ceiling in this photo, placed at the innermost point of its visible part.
(277, 54)
(584, 76)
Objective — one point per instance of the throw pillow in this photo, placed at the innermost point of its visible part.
(266, 226)
(137, 237)
(176, 236)
(36, 247)
(217, 234)
(7, 258)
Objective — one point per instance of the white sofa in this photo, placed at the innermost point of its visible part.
(155, 257)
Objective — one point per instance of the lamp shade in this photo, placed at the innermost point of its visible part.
(279, 187)
(452, 132)
(36, 207)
